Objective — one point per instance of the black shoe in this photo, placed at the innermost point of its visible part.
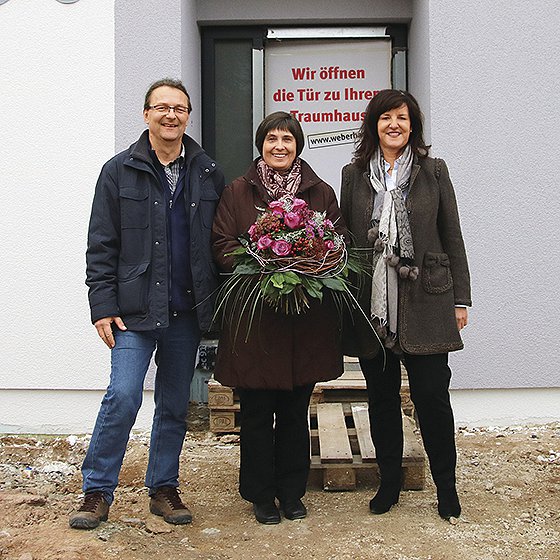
(266, 513)
(293, 509)
(385, 499)
(448, 503)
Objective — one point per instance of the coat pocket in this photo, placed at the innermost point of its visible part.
(436, 273)
(133, 289)
(134, 207)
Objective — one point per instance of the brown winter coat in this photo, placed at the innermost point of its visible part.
(283, 351)
(426, 321)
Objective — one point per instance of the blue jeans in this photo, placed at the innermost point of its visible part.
(176, 348)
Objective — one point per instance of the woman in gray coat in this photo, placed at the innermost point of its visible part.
(400, 203)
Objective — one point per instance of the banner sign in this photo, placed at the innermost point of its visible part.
(326, 85)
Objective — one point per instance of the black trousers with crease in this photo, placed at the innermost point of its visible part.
(275, 446)
(429, 377)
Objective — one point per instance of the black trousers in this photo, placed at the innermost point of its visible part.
(429, 378)
(275, 448)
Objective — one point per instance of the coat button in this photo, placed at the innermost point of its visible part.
(158, 324)
(158, 283)
(193, 204)
(156, 243)
(213, 165)
(156, 203)
(207, 170)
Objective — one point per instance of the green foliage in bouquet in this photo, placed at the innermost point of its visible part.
(289, 256)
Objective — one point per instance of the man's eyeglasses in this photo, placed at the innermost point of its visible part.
(165, 109)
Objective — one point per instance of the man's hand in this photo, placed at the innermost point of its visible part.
(462, 317)
(105, 331)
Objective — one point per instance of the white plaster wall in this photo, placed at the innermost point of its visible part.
(57, 92)
(488, 80)
(57, 129)
(57, 65)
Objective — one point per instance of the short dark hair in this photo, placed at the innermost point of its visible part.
(280, 121)
(385, 100)
(169, 82)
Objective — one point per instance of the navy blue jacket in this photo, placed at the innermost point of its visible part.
(128, 257)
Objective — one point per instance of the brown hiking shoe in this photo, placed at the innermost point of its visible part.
(94, 509)
(167, 504)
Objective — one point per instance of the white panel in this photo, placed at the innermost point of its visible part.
(325, 32)
(66, 412)
(327, 86)
(505, 407)
(57, 92)
(59, 412)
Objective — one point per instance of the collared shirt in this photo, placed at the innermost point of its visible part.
(173, 169)
(391, 179)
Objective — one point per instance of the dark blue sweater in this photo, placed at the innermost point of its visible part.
(178, 240)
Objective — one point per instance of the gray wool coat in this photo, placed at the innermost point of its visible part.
(426, 320)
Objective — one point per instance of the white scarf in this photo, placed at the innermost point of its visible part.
(394, 232)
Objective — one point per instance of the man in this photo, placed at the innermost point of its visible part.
(151, 279)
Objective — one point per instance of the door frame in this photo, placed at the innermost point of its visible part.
(260, 35)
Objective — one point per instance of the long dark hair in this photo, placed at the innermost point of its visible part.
(385, 100)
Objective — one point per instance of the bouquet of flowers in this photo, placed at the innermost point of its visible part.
(289, 255)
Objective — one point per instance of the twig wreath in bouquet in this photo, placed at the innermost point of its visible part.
(289, 256)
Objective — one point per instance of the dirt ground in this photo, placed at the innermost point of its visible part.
(508, 480)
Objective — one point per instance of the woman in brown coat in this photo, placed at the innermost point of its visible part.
(400, 202)
(275, 361)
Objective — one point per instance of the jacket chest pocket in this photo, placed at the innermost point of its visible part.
(135, 210)
(208, 202)
(436, 273)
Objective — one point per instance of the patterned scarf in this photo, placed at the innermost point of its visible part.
(393, 246)
(279, 184)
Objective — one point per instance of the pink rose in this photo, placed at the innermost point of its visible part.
(264, 242)
(277, 207)
(298, 204)
(292, 220)
(251, 231)
(281, 247)
(328, 224)
(329, 245)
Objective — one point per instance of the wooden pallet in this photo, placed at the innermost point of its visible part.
(342, 450)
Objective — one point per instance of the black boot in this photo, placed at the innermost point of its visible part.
(387, 496)
(448, 503)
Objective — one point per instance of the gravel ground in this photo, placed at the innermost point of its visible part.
(509, 485)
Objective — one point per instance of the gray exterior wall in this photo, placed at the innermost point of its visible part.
(147, 48)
